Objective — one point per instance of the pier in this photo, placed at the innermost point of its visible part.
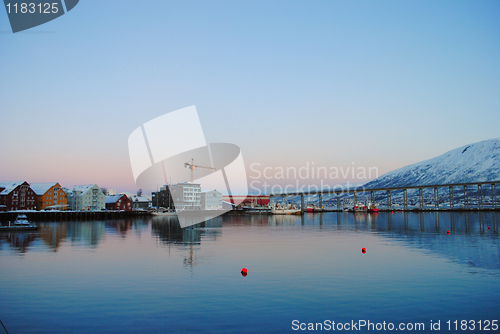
(450, 192)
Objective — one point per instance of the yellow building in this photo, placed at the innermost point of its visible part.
(50, 196)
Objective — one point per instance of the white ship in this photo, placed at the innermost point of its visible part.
(285, 209)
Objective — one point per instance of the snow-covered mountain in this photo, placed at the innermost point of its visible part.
(479, 162)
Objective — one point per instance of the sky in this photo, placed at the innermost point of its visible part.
(295, 84)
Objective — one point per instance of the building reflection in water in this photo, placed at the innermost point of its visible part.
(121, 226)
(20, 241)
(53, 234)
(170, 233)
(124, 227)
(86, 233)
(474, 236)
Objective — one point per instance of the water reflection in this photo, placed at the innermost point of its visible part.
(470, 242)
(473, 239)
(20, 241)
(169, 231)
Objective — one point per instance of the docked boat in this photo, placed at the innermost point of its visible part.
(163, 212)
(20, 224)
(310, 208)
(372, 207)
(285, 209)
(360, 207)
(21, 220)
(257, 209)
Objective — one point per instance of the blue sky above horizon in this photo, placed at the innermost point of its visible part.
(382, 84)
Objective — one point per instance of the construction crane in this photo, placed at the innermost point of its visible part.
(192, 166)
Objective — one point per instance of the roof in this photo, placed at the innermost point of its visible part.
(136, 198)
(211, 191)
(113, 198)
(42, 188)
(83, 188)
(9, 186)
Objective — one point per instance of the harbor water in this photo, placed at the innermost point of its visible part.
(147, 275)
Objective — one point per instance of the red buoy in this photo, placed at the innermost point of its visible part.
(363, 250)
(448, 232)
(488, 227)
(244, 270)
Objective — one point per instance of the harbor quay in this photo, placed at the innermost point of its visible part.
(71, 215)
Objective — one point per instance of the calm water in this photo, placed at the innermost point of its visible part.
(148, 276)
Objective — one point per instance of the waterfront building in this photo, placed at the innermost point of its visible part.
(17, 196)
(110, 192)
(118, 202)
(162, 198)
(50, 195)
(186, 196)
(261, 200)
(86, 198)
(211, 200)
(140, 202)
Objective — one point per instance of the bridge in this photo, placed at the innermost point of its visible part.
(467, 201)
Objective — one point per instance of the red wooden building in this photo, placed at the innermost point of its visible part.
(118, 202)
(17, 196)
(256, 199)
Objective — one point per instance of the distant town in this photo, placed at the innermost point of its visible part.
(15, 196)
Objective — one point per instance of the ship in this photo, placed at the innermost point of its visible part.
(285, 209)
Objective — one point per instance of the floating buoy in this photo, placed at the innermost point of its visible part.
(244, 271)
(488, 227)
(244, 274)
(448, 232)
(363, 250)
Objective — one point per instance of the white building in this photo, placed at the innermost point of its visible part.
(111, 192)
(186, 196)
(86, 198)
(140, 202)
(211, 200)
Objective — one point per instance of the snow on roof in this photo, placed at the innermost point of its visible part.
(136, 198)
(113, 198)
(210, 191)
(83, 188)
(9, 186)
(42, 188)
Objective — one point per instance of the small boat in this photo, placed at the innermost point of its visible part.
(163, 212)
(310, 208)
(21, 220)
(20, 224)
(372, 207)
(360, 207)
(257, 209)
(283, 209)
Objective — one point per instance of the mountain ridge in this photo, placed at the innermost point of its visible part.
(477, 162)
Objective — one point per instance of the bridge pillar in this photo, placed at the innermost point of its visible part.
(494, 193)
(320, 204)
(283, 199)
(355, 198)
(436, 198)
(405, 199)
(466, 197)
(480, 194)
(452, 197)
(338, 201)
(421, 198)
(372, 197)
(302, 207)
(389, 199)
